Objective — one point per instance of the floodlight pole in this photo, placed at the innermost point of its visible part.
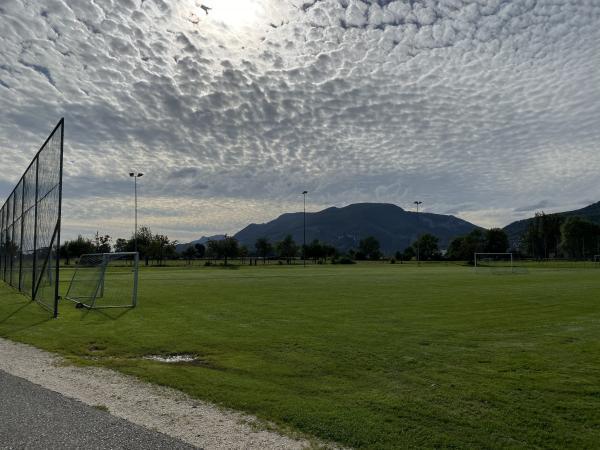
(135, 176)
(304, 236)
(418, 230)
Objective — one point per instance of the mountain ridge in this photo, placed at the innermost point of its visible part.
(344, 227)
(203, 240)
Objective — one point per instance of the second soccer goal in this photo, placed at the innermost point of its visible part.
(494, 260)
(105, 280)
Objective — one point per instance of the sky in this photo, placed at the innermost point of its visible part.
(488, 110)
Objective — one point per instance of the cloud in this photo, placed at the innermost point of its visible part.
(535, 207)
(473, 108)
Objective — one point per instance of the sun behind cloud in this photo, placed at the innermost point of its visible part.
(235, 14)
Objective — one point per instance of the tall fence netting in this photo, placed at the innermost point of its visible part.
(30, 226)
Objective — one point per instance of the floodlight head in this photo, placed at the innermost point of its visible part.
(305, 192)
(140, 174)
(131, 174)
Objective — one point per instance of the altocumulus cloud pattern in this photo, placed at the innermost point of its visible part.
(483, 109)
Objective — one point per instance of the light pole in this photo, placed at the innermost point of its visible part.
(135, 176)
(418, 231)
(304, 235)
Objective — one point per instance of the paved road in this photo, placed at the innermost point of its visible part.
(32, 417)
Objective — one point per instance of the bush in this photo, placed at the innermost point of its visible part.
(343, 260)
(208, 263)
(393, 261)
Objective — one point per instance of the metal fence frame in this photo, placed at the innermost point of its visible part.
(37, 257)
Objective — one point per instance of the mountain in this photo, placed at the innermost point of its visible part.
(516, 229)
(344, 227)
(203, 240)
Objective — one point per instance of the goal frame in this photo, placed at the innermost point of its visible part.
(98, 291)
(512, 259)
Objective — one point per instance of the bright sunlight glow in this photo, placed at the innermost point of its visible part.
(235, 14)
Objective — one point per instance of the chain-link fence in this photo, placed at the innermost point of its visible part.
(30, 226)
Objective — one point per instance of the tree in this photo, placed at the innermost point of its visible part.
(398, 256)
(369, 248)
(149, 246)
(82, 246)
(543, 235)
(456, 250)
(464, 248)
(408, 253)
(243, 253)
(428, 246)
(475, 243)
(189, 254)
(287, 248)
(580, 237)
(231, 247)
(314, 250)
(161, 248)
(263, 248)
(496, 241)
(551, 234)
(225, 248)
(200, 250)
(317, 250)
(144, 242)
(121, 245)
(329, 251)
(102, 243)
(78, 247)
(63, 252)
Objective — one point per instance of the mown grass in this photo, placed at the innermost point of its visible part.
(371, 356)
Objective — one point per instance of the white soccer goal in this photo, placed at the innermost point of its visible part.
(105, 280)
(494, 260)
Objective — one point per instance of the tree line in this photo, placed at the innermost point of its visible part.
(368, 249)
(546, 236)
(554, 235)
(151, 246)
(286, 250)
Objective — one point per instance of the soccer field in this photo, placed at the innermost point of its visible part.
(370, 355)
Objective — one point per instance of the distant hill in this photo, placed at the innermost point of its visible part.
(516, 229)
(203, 240)
(344, 227)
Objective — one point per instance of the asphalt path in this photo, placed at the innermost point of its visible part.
(32, 417)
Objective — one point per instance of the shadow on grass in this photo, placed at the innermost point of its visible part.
(15, 313)
(108, 313)
(33, 325)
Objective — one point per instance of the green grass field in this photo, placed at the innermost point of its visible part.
(371, 356)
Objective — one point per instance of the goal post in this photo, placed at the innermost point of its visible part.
(105, 280)
(494, 260)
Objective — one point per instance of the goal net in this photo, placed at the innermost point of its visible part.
(105, 280)
(494, 261)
